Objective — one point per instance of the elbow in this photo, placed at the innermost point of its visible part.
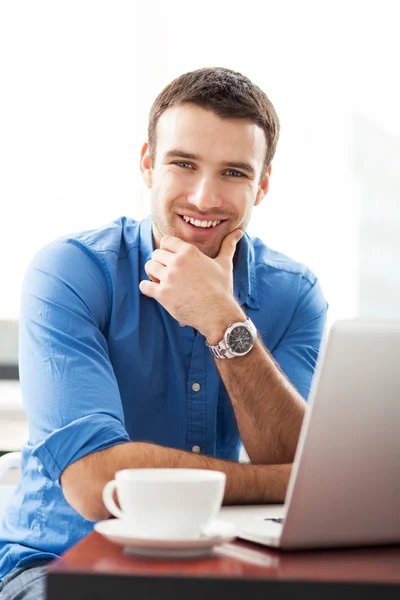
(83, 493)
(94, 514)
(89, 505)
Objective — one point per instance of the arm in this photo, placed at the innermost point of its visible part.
(70, 393)
(84, 480)
(268, 408)
(72, 398)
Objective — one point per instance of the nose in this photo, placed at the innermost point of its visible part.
(204, 195)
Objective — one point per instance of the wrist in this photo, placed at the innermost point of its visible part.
(223, 317)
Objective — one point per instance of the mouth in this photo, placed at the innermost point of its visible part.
(201, 224)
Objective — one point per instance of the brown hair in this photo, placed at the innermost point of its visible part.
(228, 94)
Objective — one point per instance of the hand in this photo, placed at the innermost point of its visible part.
(195, 289)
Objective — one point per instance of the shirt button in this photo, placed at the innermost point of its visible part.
(182, 325)
(196, 449)
(196, 387)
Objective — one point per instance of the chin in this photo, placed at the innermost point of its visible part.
(210, 251)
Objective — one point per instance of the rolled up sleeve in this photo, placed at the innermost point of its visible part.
(68, 385)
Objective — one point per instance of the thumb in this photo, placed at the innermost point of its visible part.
(228, 246)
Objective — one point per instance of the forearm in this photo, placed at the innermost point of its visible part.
(269, 411)
(83, 481)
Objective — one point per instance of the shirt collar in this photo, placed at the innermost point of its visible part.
(146, 241)
(244, 276)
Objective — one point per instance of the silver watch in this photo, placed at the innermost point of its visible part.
(238, 340)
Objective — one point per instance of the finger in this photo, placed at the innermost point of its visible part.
(148, 288)
(173, 244)
(154, 269)
(228, 246)
(162, 256)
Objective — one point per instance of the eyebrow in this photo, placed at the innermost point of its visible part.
(244, 166)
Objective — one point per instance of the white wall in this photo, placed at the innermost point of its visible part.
(78, 79)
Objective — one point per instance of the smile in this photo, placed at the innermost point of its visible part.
(198, 223)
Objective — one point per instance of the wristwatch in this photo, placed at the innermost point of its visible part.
(238, 340)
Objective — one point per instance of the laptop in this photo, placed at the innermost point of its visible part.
(344, 488)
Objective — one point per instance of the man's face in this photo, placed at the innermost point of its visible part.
(206, 176)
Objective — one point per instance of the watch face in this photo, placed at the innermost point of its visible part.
(240, 340)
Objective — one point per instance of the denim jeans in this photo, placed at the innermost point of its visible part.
(28, 583)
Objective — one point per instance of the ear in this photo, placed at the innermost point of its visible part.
(145, 165)
(263, 187)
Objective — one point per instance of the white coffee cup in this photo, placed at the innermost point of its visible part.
(166, 503)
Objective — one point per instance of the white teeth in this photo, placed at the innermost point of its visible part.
(198, 223)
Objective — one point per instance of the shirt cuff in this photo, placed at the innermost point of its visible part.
(77, 439)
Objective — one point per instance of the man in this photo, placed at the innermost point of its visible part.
(128, 355)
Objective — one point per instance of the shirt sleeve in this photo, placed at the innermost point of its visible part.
(68, 385)
(298, 349)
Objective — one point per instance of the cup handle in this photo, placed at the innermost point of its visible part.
(109, 500)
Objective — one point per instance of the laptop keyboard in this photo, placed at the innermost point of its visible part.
(275, 520)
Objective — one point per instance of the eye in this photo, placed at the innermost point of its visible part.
(183, 164)
(234, 173)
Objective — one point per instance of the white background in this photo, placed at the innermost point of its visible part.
(77, 81)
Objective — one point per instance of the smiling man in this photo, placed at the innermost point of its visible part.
(206, 173)
(171, 342)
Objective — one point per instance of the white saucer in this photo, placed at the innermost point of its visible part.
(218, 532)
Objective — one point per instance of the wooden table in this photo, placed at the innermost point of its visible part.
(97, 569)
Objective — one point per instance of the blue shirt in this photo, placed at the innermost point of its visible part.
(102, 364)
